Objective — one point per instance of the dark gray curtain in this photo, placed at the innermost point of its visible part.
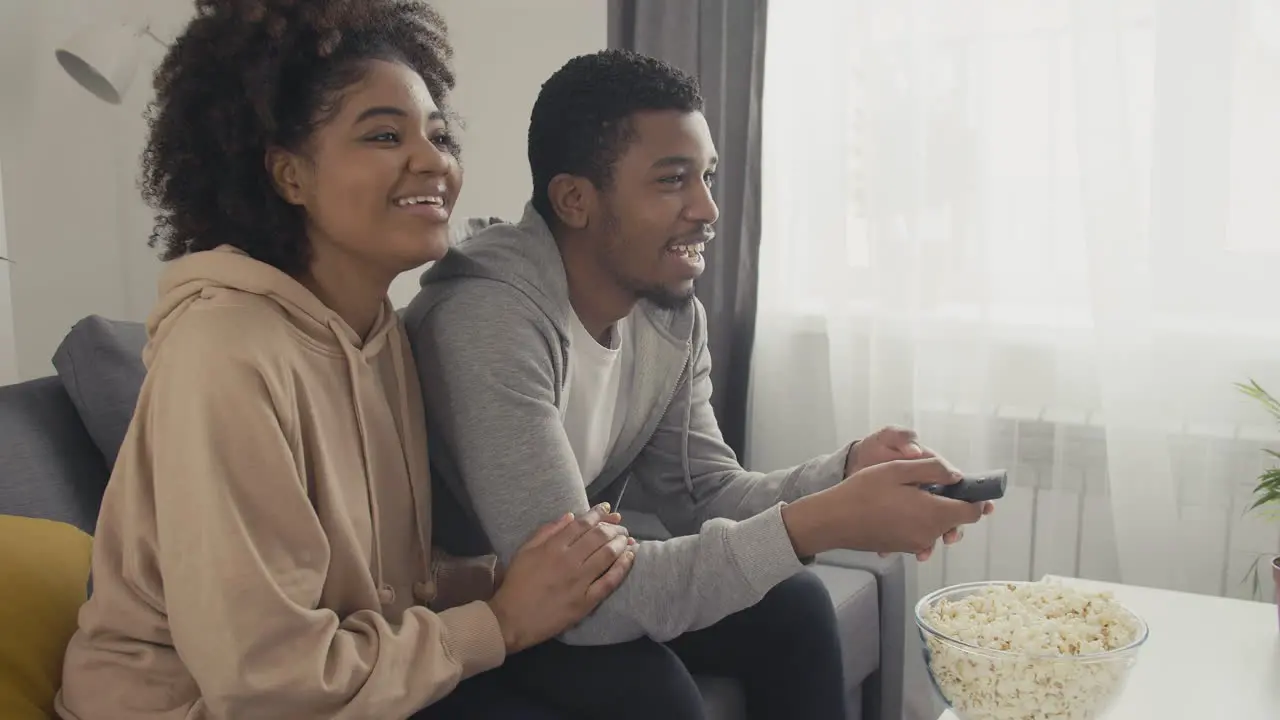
(721, 42)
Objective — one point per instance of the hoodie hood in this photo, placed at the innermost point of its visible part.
(228, 269)
(525, 256)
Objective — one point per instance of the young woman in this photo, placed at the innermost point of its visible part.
(264, 548)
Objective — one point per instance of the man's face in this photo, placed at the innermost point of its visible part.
(658, 212)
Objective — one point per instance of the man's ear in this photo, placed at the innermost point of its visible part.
(572, 198)
(285, 170)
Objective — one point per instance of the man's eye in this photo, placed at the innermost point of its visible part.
(709, 179)
(671, 180)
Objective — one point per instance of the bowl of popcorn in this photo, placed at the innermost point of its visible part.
(1028, 650)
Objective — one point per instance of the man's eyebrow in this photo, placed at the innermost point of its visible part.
(673, 160)
(680, 160)
(393, 111)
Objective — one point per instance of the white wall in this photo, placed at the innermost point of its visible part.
(77, 227)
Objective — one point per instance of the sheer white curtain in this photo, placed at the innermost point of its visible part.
(1046, 234)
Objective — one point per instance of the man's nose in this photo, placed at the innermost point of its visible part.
(703, 208)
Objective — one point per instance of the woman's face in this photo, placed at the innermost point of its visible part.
(378, 180)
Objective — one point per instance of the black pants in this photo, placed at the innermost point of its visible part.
(784, 651)
(488, 696)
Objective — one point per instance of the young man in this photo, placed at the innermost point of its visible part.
(565, 356)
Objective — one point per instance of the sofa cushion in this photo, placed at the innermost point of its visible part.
(884, 691)
(43, 569)
(100, 365)
(858, 612)
(49, 468)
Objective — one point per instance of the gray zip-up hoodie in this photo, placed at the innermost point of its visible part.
(490, 334)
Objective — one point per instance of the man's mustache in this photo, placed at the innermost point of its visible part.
(705, 235)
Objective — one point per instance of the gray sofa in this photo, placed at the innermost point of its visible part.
(59, 435)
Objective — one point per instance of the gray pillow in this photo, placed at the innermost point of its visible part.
(100, 365)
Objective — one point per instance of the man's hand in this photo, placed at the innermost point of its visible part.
(951, 537)
(884, 445)
(898, 443)
(882, 508)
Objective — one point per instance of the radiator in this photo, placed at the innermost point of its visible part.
(1056, 517)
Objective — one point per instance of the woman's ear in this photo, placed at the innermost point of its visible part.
(285, 171)
(571, 198)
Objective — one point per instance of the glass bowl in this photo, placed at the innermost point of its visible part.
(981, 683)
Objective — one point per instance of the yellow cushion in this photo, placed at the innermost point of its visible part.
(44, 568)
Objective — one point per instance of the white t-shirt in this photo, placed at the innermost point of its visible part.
(596, 380)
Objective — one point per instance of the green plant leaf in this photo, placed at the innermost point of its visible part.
(1266, 493)
(1267, 490)
(1252, 577)
(1255, 391)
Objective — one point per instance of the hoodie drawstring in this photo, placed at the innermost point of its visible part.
(688, 411)
(386, 594)
(423, 591)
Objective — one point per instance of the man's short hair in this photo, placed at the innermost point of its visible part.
(581, 120)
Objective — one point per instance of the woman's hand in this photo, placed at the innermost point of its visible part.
(560, 575)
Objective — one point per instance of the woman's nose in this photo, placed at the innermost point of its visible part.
(428, 157)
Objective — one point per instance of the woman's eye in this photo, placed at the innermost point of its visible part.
(445, 142)
(385, 137)
(671, 180)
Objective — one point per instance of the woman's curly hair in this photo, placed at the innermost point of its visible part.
(247, 75)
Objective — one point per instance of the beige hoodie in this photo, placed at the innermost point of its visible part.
(263, 549)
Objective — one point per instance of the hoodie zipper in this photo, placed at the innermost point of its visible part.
(667, 406)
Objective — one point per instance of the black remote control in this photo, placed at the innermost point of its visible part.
(974, 488)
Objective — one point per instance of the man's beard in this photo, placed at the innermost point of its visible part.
(664, 297)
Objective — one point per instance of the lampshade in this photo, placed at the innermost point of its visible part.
(103, 59)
